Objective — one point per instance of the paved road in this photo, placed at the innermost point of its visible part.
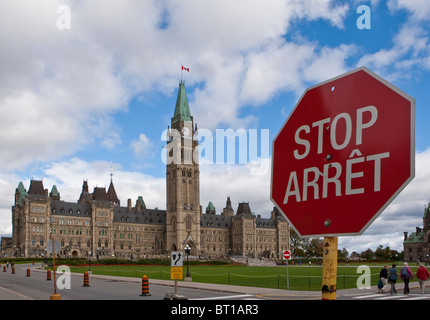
(20, 287)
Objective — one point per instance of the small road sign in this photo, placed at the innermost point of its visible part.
(287, 255)
(177, 259)
(57, 246)
(176, 273)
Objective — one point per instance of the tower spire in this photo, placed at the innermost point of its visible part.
(182, 109)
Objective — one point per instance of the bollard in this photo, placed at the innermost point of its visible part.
(48, 275)
(13, 269)
(28, 272)
(86, 280)
(145, 286)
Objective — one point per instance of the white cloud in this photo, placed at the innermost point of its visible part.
(143, 147)
(55, 89)
(405, 213)
(287, 66)
(411, 45)
(58, 88)
(420, 9)
(218, 181)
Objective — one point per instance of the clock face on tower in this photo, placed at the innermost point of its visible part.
(185, 131)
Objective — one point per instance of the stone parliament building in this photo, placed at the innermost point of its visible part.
(416, 246)
(97, 226)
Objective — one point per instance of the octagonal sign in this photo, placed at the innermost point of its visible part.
(344, 153)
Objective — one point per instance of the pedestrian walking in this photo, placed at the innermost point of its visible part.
(422, 276)
(383, 276)
(392, 278)
(406, 275)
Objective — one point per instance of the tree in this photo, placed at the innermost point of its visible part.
(343, 253)
(315, 247)
(298, 245)
(368, 254)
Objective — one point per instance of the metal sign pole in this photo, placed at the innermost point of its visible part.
(53, 261)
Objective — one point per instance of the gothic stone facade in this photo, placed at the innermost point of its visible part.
(416, 246)
(98, 226)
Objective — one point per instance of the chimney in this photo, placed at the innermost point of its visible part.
(137, 205)
(129, 204)
(405, 235)
(418, 230)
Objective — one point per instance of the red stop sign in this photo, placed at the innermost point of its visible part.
(344, 153)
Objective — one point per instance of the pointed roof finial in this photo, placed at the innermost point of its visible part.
(182, 109)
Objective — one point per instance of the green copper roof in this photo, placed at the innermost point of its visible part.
(54, 191)
(210, 206)
(141, 202)
(182, 110)
(22, 192)
(415, 237)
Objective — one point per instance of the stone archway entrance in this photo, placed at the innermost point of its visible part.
(173, 247)
(75, 254)
(193, 246)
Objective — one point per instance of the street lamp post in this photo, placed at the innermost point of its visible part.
(89, 263)
(187, 251)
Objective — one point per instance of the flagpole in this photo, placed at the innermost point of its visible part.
(182, 69)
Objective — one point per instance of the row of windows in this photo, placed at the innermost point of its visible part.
(41, 242)
(70, 211)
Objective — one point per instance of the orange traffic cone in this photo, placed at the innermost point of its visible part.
(86, 280)
(145, 286)
(48, 275)
(28, 272)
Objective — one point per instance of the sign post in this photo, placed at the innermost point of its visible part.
(176, 268)
(55, 247)
(343, 155)
(329, 273)
(287, 256)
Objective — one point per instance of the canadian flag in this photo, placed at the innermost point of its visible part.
(186, 69)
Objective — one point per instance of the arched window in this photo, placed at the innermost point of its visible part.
(188, 222)
(173, 223)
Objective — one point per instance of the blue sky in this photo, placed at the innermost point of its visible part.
(98, 93)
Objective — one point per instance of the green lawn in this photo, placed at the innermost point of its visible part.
(300, 277)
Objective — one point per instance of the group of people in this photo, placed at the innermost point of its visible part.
(390, 276)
